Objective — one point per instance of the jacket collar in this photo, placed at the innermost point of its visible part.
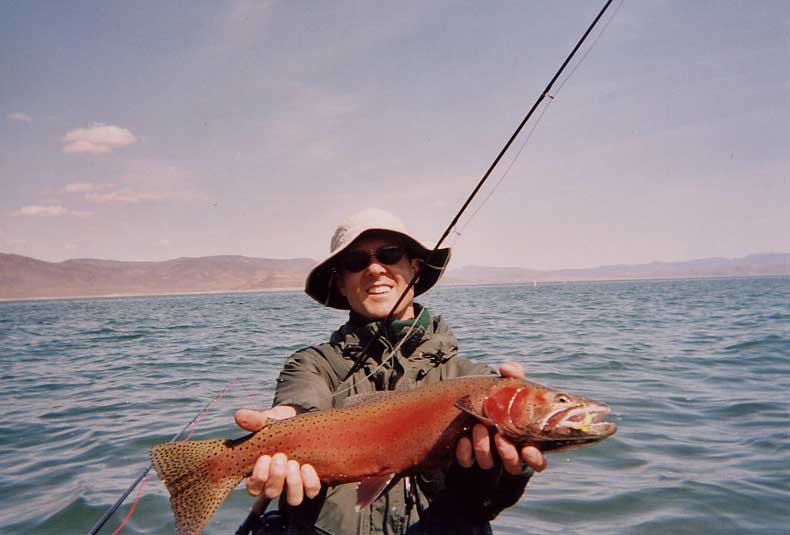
(430, 339)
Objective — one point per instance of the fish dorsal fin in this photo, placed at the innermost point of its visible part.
(465, 404)
(371, 488)
(365, 397)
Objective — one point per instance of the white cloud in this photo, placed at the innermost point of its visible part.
(20, 116)
(41, 211)
(34, 210)
(81, 213)
(97, 139)
(125, 196)
(156, 180)
(82, 187)
(142, 182)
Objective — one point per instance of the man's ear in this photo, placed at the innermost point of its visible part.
(338, 281)
(416, 264)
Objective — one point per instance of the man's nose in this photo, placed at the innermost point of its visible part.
(376, 267)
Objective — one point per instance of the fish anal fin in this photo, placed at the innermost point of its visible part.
(371, 488)
(465, 404)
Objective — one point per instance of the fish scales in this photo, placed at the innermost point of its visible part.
(355, 443)
(349, 444)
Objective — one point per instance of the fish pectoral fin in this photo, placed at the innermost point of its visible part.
(465, 404)
(371, 488)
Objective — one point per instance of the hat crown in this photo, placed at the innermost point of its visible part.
(368, 219)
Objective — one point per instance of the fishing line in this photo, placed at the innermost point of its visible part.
(362, 357)
(552, 97)
(134, 504)
(389, 355)
(589, 49)
(143, 477)
(490, 194)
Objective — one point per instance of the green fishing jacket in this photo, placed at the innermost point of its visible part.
(457, 501)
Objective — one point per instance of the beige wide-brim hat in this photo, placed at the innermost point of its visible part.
(320, 284)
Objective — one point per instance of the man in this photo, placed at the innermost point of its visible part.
(372, 260)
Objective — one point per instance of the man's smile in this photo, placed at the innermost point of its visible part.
(372, 292)
(379, 289)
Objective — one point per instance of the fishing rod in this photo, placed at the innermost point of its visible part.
(363, 354)
(111, 511)
(362, 357)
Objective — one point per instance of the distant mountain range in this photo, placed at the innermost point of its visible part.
(22, 277)
(748, 266)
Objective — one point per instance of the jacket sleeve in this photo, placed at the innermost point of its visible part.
(304, 382)
(464, 367)
(485, 493)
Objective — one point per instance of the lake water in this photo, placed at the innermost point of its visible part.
(697, 373)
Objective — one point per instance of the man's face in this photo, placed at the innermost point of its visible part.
(373, 291)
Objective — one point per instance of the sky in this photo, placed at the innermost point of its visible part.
(151, 131)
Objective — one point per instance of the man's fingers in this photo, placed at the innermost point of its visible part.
(293, 484)
(481, 443)
(464, 453)
(512, 369)
(312, 485)
(277, 470)
(534, 458)
(281, 412)
(250, 420)
(259, 476)
(529, 454)
(508, 454)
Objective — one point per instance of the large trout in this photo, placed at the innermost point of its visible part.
(379, 438)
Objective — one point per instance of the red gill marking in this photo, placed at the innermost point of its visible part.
(497, 405)
(522, 409)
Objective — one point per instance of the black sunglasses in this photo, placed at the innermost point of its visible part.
(356, 261)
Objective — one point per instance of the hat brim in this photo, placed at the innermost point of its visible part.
(321, 286)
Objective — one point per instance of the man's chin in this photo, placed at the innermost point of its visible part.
(377, 313)
(379, 309)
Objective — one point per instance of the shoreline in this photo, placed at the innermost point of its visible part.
(153, 294)
(440, 285)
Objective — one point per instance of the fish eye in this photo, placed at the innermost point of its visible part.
(562, 398)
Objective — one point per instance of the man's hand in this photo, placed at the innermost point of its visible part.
(273, 473)
(478, 448)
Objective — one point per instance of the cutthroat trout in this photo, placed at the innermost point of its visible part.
(379, 438)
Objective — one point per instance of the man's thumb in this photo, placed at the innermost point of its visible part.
(251, 420)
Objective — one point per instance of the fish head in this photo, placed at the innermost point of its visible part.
(529, 413)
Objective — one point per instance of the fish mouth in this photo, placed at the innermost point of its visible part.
(580, 422)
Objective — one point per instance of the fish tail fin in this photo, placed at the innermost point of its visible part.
(197, 478)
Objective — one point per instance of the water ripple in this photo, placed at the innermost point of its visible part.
(697, 373)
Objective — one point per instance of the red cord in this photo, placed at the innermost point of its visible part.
(134, 505)
(189, 436)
